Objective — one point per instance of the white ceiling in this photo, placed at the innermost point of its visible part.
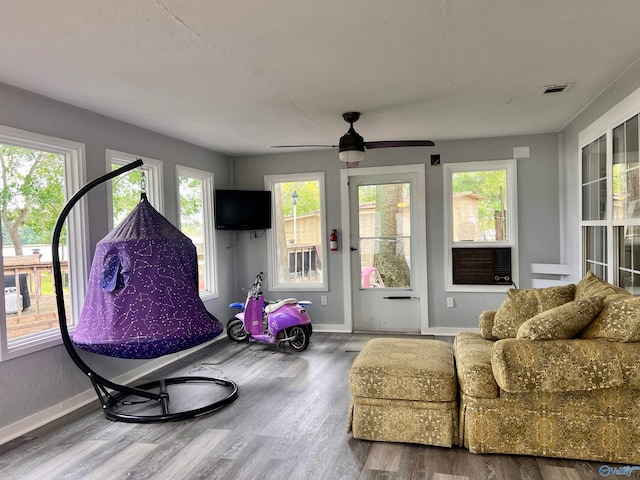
(239, 76)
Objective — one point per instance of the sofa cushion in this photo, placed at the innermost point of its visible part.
(555, 365)
(486, 324)
(521, 305)
(473, 364)
(590, 285)
(565, 321)
(404, 369)
(618, 321)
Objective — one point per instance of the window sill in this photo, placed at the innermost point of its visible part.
(31, 344)
(297, 287)
(479, 288)
(207, 296)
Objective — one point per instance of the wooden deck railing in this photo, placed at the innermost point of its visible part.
(41, 314)
(304, 262)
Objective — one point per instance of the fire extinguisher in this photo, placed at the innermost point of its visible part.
(333, 241)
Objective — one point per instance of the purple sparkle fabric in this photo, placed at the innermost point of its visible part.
(142, 298)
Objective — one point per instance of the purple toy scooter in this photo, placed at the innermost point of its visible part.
(275, 323)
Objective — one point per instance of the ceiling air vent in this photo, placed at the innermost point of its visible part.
(559, 88)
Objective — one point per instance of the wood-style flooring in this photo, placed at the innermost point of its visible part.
(289, 422)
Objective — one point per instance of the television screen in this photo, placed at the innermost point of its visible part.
(242, 209)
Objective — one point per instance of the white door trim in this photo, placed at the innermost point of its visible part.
(420, 232)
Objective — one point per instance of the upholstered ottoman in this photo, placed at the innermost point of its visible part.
(404, 390)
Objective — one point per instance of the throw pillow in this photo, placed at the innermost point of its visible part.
(521, 305)
(561, 322)
(590, 285)
(618, 321)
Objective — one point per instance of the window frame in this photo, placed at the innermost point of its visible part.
(274, 284)
(210, 243)
(604, 126)
(510, 166)
(153, 172)
(74, 157)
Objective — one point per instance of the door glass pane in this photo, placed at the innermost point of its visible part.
(385, 235)
(31, 198)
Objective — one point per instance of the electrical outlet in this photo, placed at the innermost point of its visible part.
(323, 300)
(450, 302)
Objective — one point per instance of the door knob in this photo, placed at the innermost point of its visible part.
(353, 249)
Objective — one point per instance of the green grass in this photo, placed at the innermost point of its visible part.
(47, 284)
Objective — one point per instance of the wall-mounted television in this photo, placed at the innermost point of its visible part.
(242, 209)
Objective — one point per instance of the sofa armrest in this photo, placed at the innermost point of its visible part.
(629, 356)
(486, 324)
(555, 365)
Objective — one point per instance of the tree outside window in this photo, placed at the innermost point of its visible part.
(195, 205)
(480, 205)
(32, 195)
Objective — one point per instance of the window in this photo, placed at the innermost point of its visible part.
(125, 189)
(594, 206)
(610, 199)
(37, 175)
(195, 211)
(480, 212)
(296, 242)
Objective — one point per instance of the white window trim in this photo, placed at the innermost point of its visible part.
(510, 165)
(77, 222)
(604, 125)
(274, 285)
(153, 171)
(210, 244)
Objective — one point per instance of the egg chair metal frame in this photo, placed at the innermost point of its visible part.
(113, 396)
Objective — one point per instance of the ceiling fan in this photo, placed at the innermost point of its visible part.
(352, 146)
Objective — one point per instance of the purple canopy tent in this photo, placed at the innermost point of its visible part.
(142, 298)
(142, 302)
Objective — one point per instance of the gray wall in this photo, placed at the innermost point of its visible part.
(34, 382)
(570, 165)
(538, 209)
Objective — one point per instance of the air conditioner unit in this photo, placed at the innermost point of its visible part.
(482, 266)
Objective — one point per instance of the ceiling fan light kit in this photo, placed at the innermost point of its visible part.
(351, 156)
(351, 145)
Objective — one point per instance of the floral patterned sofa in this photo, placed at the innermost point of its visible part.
(554, 372)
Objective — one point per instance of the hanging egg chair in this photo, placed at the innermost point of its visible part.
(142, 302)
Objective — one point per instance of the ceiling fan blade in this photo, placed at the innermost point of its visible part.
(399, 143)
(303, 146)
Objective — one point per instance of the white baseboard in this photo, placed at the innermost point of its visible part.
(437, 331)
(67, 406)
(330, 328)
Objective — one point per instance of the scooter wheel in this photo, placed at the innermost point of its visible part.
(236, 331)
(301, 340)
